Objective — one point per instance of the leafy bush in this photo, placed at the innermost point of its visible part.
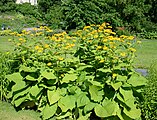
(86, 73)
(4, 69)
(149, 106)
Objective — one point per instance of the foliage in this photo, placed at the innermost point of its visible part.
(75, 75)
(4, 69)
(149, 106)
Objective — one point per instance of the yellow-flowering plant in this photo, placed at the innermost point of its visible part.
(72, 76)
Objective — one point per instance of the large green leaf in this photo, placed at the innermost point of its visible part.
(27, 69)
(15, 77)
(108, 109)
(126, 97)
(133, 113)
(82, 100)
(86, 117)
(137, 80)
(19, 85)
(67, 102)
(82, 77)
(35, 90)
(89, 106)
(48, 75)
(116, 85)
(53, 96)
(20, 93)
(49, 111)
(63, 115)
(105, 70)
(18, 101)
(69, 77)
(96, 83)
(111, 106)
(96, 93)
(28, 77)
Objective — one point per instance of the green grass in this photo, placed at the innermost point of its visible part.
(146, 53)
(7, 112)
(5, 45)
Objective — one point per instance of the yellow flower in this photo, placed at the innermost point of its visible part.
(18, 44)
(20, 39)
(37, 47)
(9, 40)
(123, 54)
(99, 47)
(46, 46)
(104, 24)
(105, 48)
(95, 36)
(105, 40)
(60, 58)
(132, 49)
(49, 64)
(40, 50)
(114, 75)
(62, 75)
(72, 45)
(101, 61)
(130, 38)
(139, 42)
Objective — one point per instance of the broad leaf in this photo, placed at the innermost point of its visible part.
(82, 77)
(64, 115)
(66, 103)
(69, 77)
(35, 90)
(82, 100)
(89, 106)
(96, 93)
(104, 70)
(15, 77)
(108, 109)
(49, 111)
(116, 85)
(19, 85)
(86, 117)
(27, 69)
(137, 80)
(18, 101)
(110, 106)
(133, 113)
(28, 77)
(53, 96)
(48, 75)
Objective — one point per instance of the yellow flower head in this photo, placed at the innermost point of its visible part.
(114, 75)
(123, 54)
(49, 64)
(99, 47)
(46, 46)
(139, 42)
(105, 48)
(60, 58)
(101, 61)
(132, 49)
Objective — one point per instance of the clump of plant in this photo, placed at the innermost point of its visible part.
(87, 73)
(4, 69)
(149, 105)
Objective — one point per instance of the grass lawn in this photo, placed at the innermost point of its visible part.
(5, 45)
(146, 53)
(7, 112)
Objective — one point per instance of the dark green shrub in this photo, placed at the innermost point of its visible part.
(149, 106)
